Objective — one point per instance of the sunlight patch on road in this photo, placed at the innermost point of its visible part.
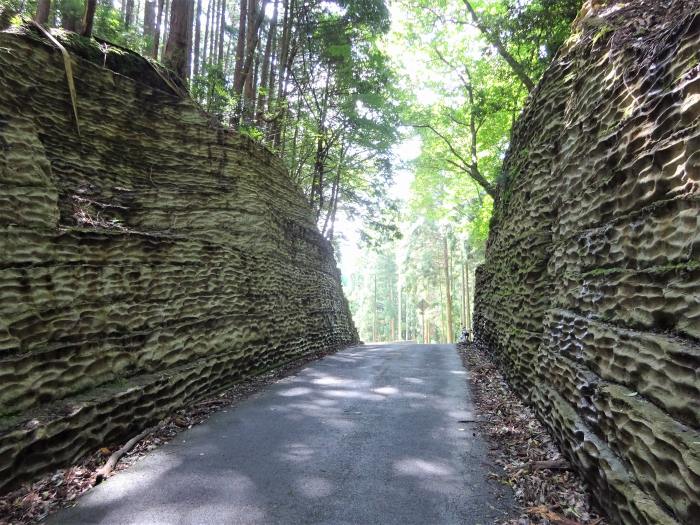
(315, 487)
(386, 390)
(420, 467)
(296, 391)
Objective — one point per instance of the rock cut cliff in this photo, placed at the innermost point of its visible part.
(590, 294)
(145, 262)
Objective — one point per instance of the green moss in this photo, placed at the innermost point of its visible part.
(603, 32)
(599, 272)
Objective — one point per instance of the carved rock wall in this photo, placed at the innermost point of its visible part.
(590, 294)
(143, 264)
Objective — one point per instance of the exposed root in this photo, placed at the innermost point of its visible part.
(106, 470)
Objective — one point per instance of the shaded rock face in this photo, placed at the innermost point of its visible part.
(144, 264)
(590, 294)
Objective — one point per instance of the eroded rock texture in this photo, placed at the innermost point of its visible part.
(143, 264)
(590, 294)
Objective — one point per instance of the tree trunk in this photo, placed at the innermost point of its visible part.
(448, 292)
(468, 305)
(43, 8)
(222, 32)
(240, 48)
(398, 328)
(374, 312)
(283, 54)
(253, 29)
(197, 38)
(214, 41)
(190, 20)
(227, 56)
(89, 17)
(149, 18)
(166, 26)
(250, 41)
(265, 72)
(254, 87)
(176, 49)
(156, 33)
(335, 191)
(128, 14)
(273, 55)
(463, 312)
(206, 40)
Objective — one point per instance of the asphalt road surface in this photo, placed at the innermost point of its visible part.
(376, 434)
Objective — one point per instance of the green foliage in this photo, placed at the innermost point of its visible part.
(214, 90)
(462, 98)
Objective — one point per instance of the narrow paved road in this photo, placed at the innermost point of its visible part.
(370, 435)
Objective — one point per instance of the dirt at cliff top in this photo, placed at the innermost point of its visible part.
(103, 53)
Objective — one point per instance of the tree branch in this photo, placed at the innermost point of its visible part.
(468, 167)
(496, 42)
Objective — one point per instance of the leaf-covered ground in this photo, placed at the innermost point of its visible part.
(546, 489)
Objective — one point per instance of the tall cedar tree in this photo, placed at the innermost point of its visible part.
(43, 8)
(177, 49)
(89, 17)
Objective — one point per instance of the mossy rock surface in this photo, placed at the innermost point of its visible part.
(589, 297)
(145, 263)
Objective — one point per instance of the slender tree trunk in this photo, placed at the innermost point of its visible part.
(222, 32)
(149, 18)
(255, 19)
(374, 312)
(256, 77)
(128, 14)
(448, 293)
(214, 42)
(190, 33)
(43, 8)
(264, 74)
(176, 50)
(442, 323)
(197, 38)
(227, 57)
(156, 34)
(335, 190)
(273, 57)
(240, 46)
(89, 17)
(166, 26)
(206, 39)
(469, 312)
(251, 31)
(463, 312)
(400, 305)
(282, 54)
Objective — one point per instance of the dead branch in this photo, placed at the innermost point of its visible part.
(552, 464)
(105, 470)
